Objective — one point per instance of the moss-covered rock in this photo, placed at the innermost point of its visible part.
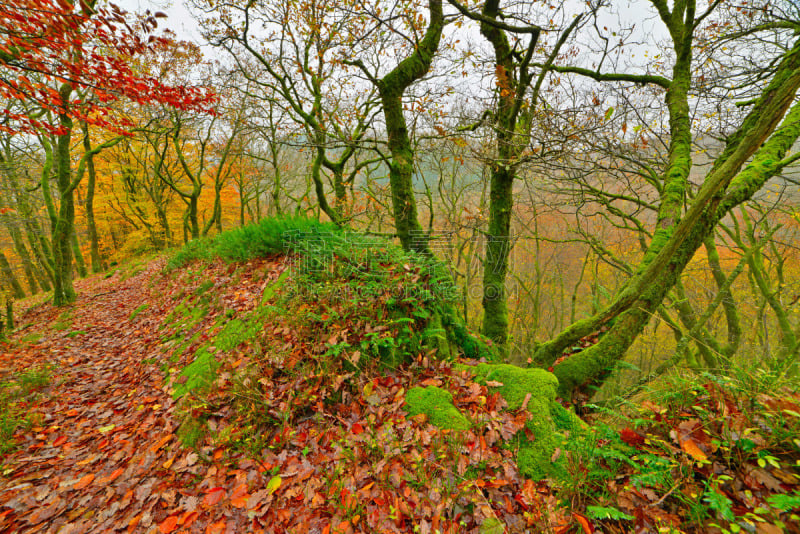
(518, 382)
(437, 404)
(551, 424)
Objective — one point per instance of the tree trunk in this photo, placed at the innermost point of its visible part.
(80, 264)
(11, 279)
(401, 168)
(94, 245)
(498, 247)
(27, 264)
(63, 292)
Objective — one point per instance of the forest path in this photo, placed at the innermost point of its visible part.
(103, 456)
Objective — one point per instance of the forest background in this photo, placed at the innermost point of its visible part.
(609, 179)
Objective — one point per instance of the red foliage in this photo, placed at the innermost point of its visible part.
(47, 43)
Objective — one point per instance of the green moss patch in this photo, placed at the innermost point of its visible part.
(518, 383)
(437, 404)
(539, 448)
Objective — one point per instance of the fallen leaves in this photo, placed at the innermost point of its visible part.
(83, 482)
(214, 496)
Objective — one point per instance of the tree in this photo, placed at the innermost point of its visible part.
(756, 150)
(511, 119)
(295, 65)
(77, 51)
(392, 87)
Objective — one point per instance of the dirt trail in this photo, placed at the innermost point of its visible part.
(104, 457)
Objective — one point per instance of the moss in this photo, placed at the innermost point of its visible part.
(437, 404)
(473, 347)
(551, 424)
(566, 420)
(137, 311)
(518, 382)
(202, 288)
(537, 457)
(435, 337)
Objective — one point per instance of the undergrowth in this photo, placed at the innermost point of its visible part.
(694, 453)
(18, 394)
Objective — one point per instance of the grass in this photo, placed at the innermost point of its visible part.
(17, 395)
(265, 238)
(64, 321)
(137, 311)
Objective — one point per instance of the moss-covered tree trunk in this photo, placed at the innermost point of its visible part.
(319, 186)
(80, 264)
(596, 361)
(27, 264)
(63, 292)
(91, 225)
(512, 81)
(391, 88)
(10, 278)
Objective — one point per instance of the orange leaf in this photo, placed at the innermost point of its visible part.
(239, 497)
(166, 439)
(83, 482)
(168, 525)
(214, 496)
(188, 518)
(59, 440)
(133, 522)
(587, 527)
(693, 450)
(216, 528)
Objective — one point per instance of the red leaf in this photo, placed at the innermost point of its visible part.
(59, 441)
(357, 429)
(214, 496)
(631, 437)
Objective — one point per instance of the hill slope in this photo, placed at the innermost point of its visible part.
(280, 394)
(331, 450)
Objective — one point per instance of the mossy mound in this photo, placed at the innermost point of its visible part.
(437, 404)
(551, 424)
(518, 382)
